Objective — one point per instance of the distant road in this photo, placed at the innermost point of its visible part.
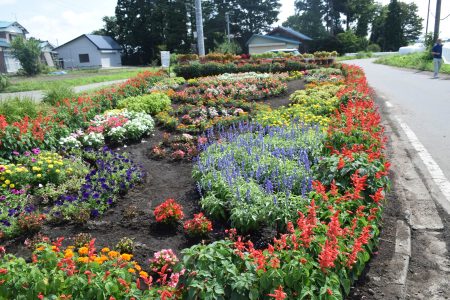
(38, 95)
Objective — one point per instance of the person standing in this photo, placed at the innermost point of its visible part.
(436, 51)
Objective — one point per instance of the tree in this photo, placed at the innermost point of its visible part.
(395, 25)
(247, 17)
(28, 52)
(110, 27)
(146, 26)
(308, 18)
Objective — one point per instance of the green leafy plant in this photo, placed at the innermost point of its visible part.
(58, 93)
(152, 103)
(4, 82)
(125, 245)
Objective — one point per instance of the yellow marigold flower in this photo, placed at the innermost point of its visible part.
(83, 251)
(105, 250)
(12, 185)
(113, 254)
(83, 259)
(50, 166)
(143, 274)
(7, 181)
(126, 256)
(131, 270)
(38, 175)
(57, 170)
(3, 185)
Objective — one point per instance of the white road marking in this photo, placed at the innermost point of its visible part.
(389, 104)
(436, 172)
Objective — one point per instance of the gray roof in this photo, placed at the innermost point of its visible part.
(6, 24)
(273, 38)
(102, 42)
(293, 32)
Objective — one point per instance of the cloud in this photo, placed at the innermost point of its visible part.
(6, 2)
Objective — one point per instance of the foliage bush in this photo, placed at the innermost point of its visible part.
(28, 53)
(152, 103)
(57, 94)
(373, 48)
(4, 82)
(420, 61)
(208, 69)
(15, 109)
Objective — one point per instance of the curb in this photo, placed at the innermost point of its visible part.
(399, 264)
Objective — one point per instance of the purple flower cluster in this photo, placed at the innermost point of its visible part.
(256, 164)
(113, 174)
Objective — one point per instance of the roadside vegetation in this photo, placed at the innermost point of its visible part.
(419, 61)
(71, 79)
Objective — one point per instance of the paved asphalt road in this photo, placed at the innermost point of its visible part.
(38, 95)
(421, 102)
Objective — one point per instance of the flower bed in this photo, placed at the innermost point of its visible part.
(112, 127)
(69, 115)
(326, 248)
(58, 188)
(329, 183)
(246, 87)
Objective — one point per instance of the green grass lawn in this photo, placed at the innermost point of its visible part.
(416, 61)
(71, 79)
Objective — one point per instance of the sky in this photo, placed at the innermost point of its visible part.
(60, 21)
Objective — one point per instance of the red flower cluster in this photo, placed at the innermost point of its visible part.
(168, 212)
(198, 226)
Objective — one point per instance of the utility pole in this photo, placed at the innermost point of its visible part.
(428, 17)
(199, 22)
(227, 19)
(437, 20)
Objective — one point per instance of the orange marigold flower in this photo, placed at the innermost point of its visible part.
(131, 270)
(113, 254)
(83, 259)
(126, 256)
(105, 250)
(83, 251)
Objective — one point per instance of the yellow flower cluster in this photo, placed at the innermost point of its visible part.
(45, 167)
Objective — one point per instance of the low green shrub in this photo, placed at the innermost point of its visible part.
(208, 69)
(373, 48)
(4, 82)
(14, 109)
(58, 93)
(152, 103)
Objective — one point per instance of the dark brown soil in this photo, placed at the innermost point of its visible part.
(281, 100)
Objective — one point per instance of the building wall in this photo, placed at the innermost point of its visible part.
(111, 59)
(261, 48)
(70, 52)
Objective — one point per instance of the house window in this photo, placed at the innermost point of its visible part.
(84, 58)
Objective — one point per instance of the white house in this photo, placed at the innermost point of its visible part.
(90, 51)
(9, 31)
